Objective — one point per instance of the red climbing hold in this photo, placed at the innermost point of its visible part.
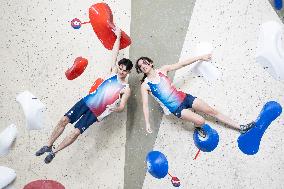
(44, 184)
(102, 22)
(77, 69)
(95, 85)
(175, 181)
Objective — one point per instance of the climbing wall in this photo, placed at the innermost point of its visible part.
(241, 91)
(37, 46)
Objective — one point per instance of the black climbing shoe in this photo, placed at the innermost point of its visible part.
(49, 157)
(247, 127)
(43, 150)
(201, 132)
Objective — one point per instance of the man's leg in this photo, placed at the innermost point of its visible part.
(57, 131)
(70, 117)
(66, 142)
(84, 122)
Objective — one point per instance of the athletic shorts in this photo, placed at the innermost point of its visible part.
(81, 113)
(187, 103)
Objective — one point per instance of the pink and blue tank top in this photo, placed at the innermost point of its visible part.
(166, 94)
(107, 93)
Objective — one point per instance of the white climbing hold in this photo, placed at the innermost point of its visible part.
(7, 175)
(7, 137)
(205, 68)
(270, 49)
(33, 110)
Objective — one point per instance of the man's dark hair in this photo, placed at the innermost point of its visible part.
(126, 62)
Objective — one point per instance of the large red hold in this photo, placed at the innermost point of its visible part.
(102, 22)
(44, 184)
(77, 69)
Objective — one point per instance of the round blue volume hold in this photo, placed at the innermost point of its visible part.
(157, 164)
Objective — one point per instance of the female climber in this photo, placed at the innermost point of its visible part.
(157, 83)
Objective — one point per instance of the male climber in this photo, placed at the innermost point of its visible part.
(95, 106)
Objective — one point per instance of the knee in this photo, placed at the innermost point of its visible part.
(75, 133)
(211, 111)
(64, 121)
(200, 121)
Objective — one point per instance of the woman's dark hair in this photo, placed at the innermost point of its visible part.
(138, 70)
(126, 62)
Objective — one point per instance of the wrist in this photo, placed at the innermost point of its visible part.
(199, 58)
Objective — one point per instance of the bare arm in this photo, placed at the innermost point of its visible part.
(115, 50)
(176, 66)
(123, 101)
(144, 94)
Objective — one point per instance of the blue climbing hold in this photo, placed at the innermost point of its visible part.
(278, 4)
(249, 142)
(210, 142)
(157, 164)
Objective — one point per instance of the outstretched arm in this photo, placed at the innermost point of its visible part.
(144, 93)
(115, 50)
(176, 66)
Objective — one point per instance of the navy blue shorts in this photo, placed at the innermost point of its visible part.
(187, 103)
(80, 111)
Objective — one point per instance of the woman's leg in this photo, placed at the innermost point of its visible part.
(188, 115)
(198, 120)
(200, 105)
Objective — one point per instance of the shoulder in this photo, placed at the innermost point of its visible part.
(163, 71)
(145, 86)
(113, 69)
(109, 76)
